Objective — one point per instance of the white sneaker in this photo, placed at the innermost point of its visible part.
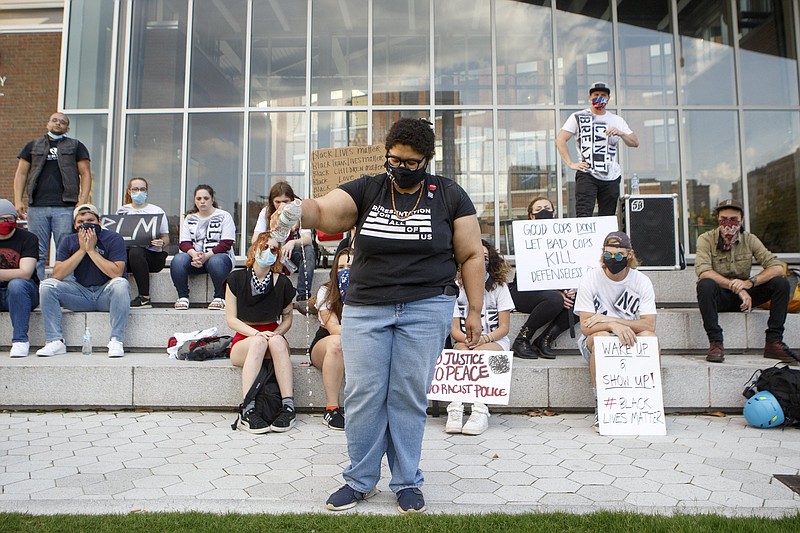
(52, 348)
(478, 421)
(455, 415)
(115, 348)
(20, 349)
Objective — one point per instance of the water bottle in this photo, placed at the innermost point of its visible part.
(635, 185)
(289, 216)
(86, 349)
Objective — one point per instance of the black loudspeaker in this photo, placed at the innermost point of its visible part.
(651, 221)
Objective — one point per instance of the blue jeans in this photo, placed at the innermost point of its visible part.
(390, 353)
(25, 296)
(113, 297)
(305, 272)
(218, 267)
(43, 221)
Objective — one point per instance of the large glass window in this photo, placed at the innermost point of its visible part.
(706, 61)
(713, 173)
(337, 129)
(218, 33)
(527, 166)
(767, 52)
(277, 153)
(89, 49)
(338, 51)
(585, 52)
(215, 158)
(647, 64)
(401, 52)
(153, 151)
(772, 169)
(524, 39)
(92, 131)
(278, 53)
(463, 63)
(383, 120)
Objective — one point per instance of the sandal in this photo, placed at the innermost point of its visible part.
(182, 304)
(217, 304)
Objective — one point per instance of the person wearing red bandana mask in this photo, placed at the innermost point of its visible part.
(725, 282)
(597, 133)
(19, 251)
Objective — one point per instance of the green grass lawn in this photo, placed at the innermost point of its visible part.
(605, 522)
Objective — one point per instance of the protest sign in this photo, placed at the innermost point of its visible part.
(330, 167)
(136, 230)
(467, 376)
(557, 253)
(629, 396)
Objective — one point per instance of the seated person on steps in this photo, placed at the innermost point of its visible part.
(724, 282)
(97, 259)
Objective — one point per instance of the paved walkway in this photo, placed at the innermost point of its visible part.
(106, 462)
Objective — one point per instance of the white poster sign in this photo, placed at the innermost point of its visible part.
(557, 253)
(467, 376)
(629, 396)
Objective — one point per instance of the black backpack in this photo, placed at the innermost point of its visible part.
(266, 393)
(784, 383)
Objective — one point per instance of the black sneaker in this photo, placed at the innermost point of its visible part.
(141, 303)
(285, 420)
(252, 422)
(334, 418)
(347, 498)
(410, 501)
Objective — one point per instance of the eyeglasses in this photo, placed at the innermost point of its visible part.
(410, 164)
(138, 189)
(619, 256)
(59, 120)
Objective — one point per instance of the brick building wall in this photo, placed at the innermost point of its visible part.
(29, 62)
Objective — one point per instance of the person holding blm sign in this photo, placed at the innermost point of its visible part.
(496, 317)
(615, 299)
(413, 230)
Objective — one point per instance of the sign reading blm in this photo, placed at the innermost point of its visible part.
(467, 376)
(629, 396)
(557, 253)
(136, 230)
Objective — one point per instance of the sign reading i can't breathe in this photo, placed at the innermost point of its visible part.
(467, 376)
(629, 396)
(557, 253)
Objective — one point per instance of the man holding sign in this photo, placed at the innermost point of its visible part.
(616, 300)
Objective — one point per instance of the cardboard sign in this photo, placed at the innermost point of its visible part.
(330, 167)
(467, 376)
(557, 253)
(629, 396)
(136, 230)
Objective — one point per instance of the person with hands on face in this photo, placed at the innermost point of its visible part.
(725, 282)
(496, 318)
(615, 299)
(414, 229)
(206, 243)
(258, 307)
(96, 257)
(544, 307)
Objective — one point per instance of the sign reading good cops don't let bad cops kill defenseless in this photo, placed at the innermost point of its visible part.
(557, 253)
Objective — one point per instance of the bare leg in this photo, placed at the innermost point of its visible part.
(327, 356)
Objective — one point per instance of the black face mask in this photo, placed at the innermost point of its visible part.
(89, 225)
(543, 214)
(614, 266)
(404, 178)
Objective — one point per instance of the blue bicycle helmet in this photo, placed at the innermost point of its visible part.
(763, 410)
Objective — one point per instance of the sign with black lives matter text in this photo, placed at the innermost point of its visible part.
(330, 167)
(467, 376)
(629, 395)
(556, 253)
(136, 230)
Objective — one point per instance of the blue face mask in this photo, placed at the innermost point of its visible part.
(139, 197)
(55, 137)
(265, 258)
(344, 281)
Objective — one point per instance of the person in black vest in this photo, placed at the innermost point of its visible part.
(54, 172)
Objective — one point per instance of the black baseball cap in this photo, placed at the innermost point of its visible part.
(600, 86)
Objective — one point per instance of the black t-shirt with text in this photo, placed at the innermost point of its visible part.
(49, 189)
(21, 244)
(261, 308)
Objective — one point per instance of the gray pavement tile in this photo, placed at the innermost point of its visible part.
(79, 480)
(668, 476)
(697, 469)
(476, 485)
(252, 469)
(145, 462)
(554, 485)
(524, 494)
(201, 475)
(567, 500)
(155, 482)
(7, 478)
(11, 460)
(179, 458)
(301, 453)
(276, 491)
(222, 462)
(716, 483)
(141, 494)
(513, 478)
(727, 463)
(58, 493)
(322, 486)
(51, 455)
(54, 472)
(436, 465)
(540, 460)
(650, 499)
(602, 493)
(470, 460)
(224, 494)
(504, 465)
(235, 482)
(655, 464)
(683, 491)
(279, 476)
(792, 462)
(586, 465)
(473, 472)
(548, 471)
(160, 452)
(289, 464)
(257, 458)
(636, 485)
(100, 468)
(128, 474)
(478, 498)
(774, 490)
(735, 499)
(573, 454)
(622, 471)
(440, 493)
(28, 486)
(29, 466)
(746, 476)
(591, 478)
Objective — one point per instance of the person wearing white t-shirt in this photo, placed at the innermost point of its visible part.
(597, 133)
(142, 261)
(615, 299)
